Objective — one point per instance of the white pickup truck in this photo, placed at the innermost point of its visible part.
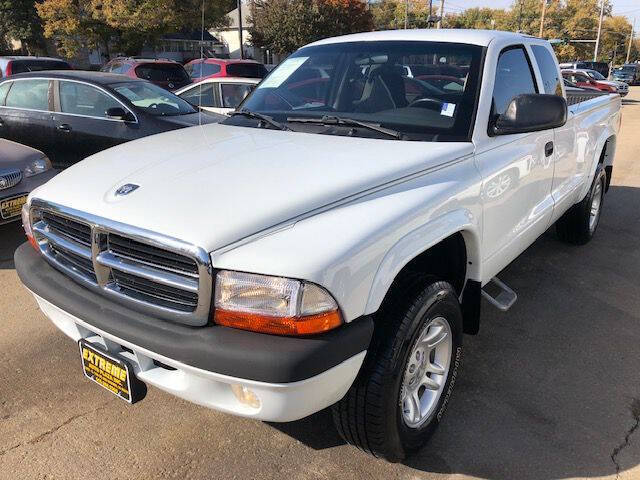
(330, 242)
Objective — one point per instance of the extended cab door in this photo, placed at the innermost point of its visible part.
(566, 177)
(25, 114)
(517, 169)
(82, 127)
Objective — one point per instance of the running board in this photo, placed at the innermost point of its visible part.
(504, 299)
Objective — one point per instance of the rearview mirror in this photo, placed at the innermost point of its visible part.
(531, 113)
(119, 113)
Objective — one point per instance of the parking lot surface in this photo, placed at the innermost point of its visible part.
(549, 390)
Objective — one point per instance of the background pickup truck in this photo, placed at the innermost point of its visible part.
(329, 243)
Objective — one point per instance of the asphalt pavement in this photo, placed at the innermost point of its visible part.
(548, 390)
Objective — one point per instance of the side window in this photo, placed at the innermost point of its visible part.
(195, 70)
(548, 70)
(513, 77)
(210, 69)
(81, 99)
(200, 93)
(234, 93)
(119, 67)
(29, 94)
(4, 89)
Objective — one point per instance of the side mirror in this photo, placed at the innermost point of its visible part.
(531, 113)
(119, 113)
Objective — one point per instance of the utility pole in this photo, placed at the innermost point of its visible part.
(406, 14)
(520, 18)
(430, 24)
(544, 10)
(240, 28)
(595, 53)
(630, 41)
(441, 13)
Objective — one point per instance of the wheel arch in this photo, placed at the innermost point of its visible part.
(437, 248)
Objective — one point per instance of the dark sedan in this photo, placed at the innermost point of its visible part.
(71, 115)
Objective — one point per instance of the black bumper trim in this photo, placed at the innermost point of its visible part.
(228, 351)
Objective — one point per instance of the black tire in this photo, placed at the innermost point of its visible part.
(370, 415)
(574, 226)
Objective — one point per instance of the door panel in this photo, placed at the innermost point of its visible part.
(25, 118)
(82, 127)
(516, 195)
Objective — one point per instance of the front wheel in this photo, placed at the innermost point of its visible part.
(402, 391)
(578, 225)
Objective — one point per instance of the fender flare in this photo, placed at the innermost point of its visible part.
(606, 135)
(420, 240)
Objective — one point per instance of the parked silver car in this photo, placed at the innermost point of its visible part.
(22, 169)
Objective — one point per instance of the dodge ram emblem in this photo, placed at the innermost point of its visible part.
(126, 189)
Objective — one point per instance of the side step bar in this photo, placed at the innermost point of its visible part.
(504, 299)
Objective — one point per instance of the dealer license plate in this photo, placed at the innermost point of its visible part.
(110, 372)
(11, 207)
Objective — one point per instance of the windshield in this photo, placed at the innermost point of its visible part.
(425, 90)
(595, 75)
(626, 69)
(153, 99)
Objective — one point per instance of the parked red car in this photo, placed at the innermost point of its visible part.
(21, 64)
(584, 81)
(167, 74)
(200, 69)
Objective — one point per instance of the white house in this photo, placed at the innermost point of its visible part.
(230, 37)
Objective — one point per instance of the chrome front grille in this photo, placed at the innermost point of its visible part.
(147, 271)
(10, 179)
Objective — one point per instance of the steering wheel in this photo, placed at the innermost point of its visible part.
(426, 102)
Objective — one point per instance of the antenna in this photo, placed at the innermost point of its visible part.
(201, 62)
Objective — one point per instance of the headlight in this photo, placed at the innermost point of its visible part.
(26, 224)
(37, 166)
(277, 305)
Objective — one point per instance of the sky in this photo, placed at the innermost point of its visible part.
(629, 8)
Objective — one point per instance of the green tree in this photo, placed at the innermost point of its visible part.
(125, 25)
(19, 21)
(283, 26)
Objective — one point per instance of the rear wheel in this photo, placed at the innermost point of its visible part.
(402, 391)
(580, 222)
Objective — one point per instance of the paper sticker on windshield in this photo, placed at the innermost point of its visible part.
(448, 109)
(282, 72)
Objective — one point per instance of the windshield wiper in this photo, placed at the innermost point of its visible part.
(259, 116)
(348, 122)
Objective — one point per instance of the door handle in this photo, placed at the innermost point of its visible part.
(64, 127)
(548, 149)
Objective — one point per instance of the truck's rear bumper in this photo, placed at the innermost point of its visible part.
(291, 377)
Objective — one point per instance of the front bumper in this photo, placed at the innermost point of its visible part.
(292, 377)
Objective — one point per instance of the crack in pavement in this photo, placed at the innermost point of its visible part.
(635, 411)
(40, 437)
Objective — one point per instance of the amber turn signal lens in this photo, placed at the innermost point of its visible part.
(307, 325)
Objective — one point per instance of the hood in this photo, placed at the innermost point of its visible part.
(14, 155)
(216, 184)
(611, 83)
(192, 119)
